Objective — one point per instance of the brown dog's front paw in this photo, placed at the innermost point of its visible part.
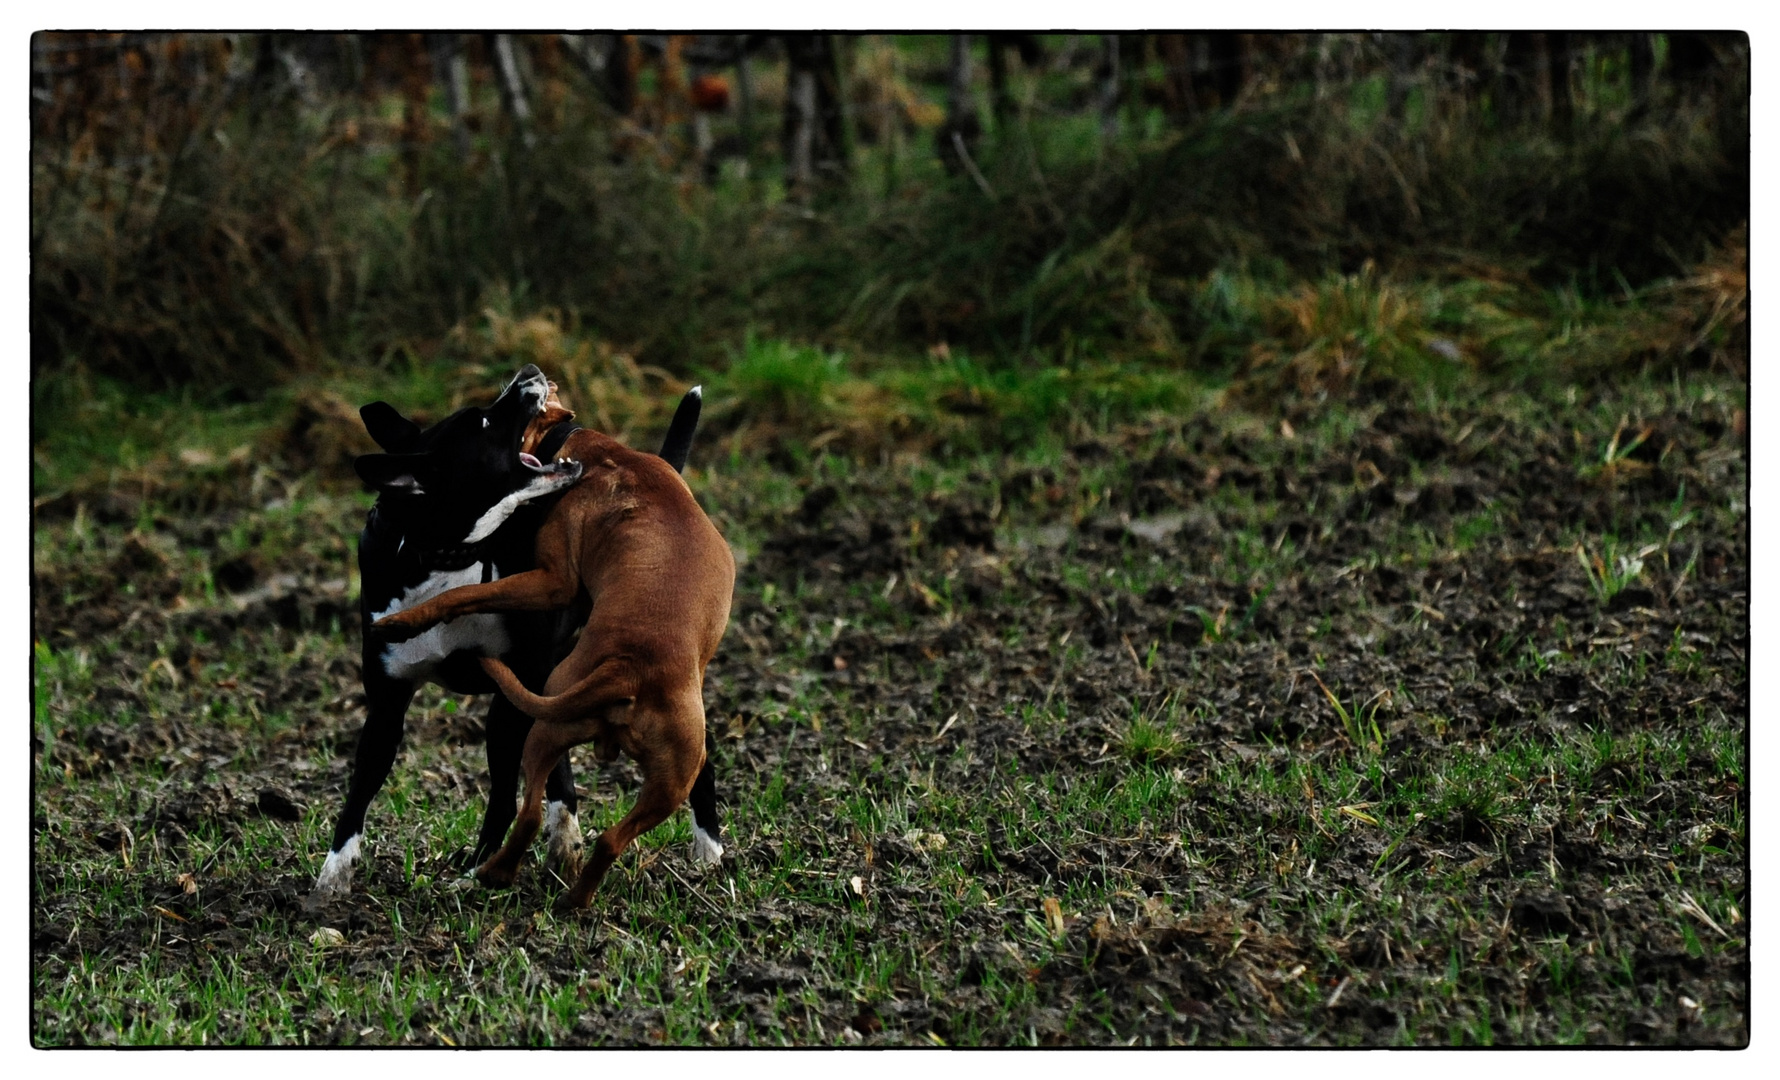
(394, 629)
(494, 876)
(568, 905)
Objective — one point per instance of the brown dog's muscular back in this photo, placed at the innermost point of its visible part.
(658, 575)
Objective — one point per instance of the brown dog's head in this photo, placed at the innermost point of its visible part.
(553, 413)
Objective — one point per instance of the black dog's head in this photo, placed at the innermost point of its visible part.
(463, 477)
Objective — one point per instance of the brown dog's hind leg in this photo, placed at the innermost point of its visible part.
(503, 866)
(544, 747)
(668, 775)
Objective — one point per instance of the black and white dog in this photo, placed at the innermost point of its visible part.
(460, 503)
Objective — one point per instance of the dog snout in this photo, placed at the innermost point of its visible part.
(531, 384)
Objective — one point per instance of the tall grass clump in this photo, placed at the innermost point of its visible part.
(779, 379)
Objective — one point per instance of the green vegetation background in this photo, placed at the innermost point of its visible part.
(208, 236)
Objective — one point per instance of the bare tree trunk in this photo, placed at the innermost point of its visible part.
(824, 118)
(1401, 52)
(802, 105)
(1227, 66)
(1693, 63)
(961, 109)
(1558, 63)
(587, 54)
(1322, 64)
(1643, 65)
(1136, 51)
(416, 131)
(1469, 53)
(1000, 100)
(958, 136)
(506, 63)
(261, 79)
(1107, 99)
(1525, 87)
(352, 64)
(450, 68)
(621, 65)
(958, 99)
(744, 87)
(1177, 74)
(832, 60)
(893, 122)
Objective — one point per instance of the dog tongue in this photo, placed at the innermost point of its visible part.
(527, 459)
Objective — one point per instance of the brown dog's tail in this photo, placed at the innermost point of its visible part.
(607, 685)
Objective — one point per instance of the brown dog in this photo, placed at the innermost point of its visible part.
(629, 539)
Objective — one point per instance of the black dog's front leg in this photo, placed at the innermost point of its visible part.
(386, 707)
(507, 729)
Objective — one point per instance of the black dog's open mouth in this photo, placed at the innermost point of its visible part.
(546, 468)
(551, 412)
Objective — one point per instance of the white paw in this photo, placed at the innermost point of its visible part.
(563, 840)
(335, 879)
(705, 850)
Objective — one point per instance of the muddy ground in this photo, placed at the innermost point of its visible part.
(1029, 749)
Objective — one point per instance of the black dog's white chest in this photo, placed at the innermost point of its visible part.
(482, 634)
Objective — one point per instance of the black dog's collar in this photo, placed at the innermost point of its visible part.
(553, 439)
(452, 558)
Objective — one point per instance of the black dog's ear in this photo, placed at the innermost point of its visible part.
(389, 428)
(395, 473)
